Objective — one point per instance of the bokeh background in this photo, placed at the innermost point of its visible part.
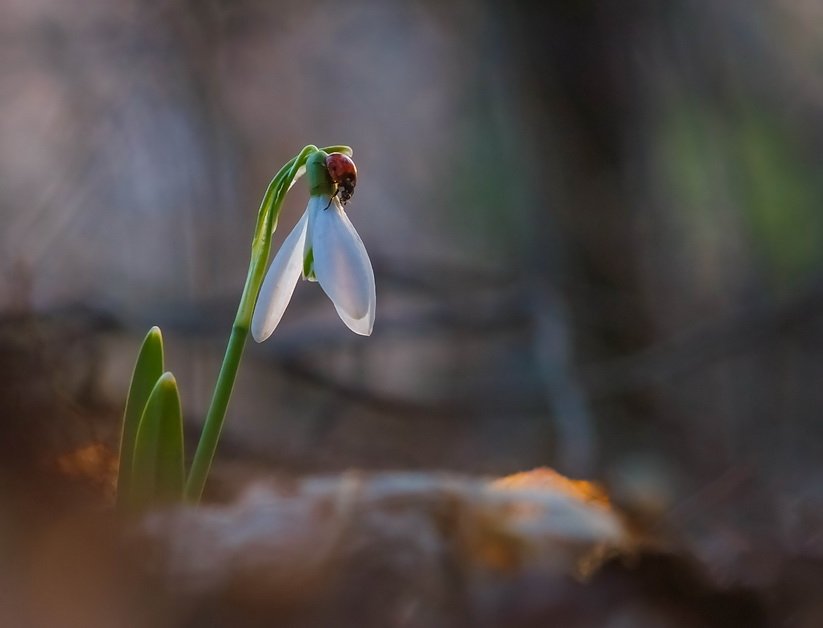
(596, 229)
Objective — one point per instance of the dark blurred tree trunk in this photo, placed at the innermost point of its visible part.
(577, 88)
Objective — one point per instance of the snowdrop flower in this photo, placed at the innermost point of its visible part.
(322, 247)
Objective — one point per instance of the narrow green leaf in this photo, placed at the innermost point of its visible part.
(158, 472)
(338, 148)
(147, 370)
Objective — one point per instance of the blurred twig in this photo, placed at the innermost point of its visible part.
(749, 328)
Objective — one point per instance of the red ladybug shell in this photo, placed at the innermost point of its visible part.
(343, 173)
(339, 166)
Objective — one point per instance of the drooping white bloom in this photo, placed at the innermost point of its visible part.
(325, 243)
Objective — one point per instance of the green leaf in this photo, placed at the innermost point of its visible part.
(158, 472)
(338, 148)
(147, 370)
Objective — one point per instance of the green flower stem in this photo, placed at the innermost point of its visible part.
(267, 218)
(214, 417)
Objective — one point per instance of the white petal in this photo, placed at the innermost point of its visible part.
(342, 266)
(278, 286)
(316, 204)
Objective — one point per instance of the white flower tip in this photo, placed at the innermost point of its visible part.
(362, 326)
(258, 330)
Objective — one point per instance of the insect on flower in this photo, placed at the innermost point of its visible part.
(343, 174)
(322, 247)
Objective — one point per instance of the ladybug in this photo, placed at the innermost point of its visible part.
(343, 174)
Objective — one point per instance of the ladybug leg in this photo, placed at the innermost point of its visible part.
(331, 198)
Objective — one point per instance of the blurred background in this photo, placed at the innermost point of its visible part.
(596, 229)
